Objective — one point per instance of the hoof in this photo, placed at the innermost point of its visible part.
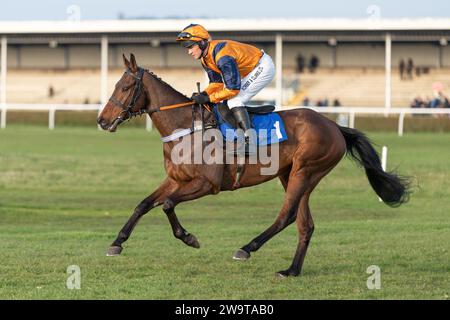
(192, 241)
(241, 255)
(114, 251)
(286, 273)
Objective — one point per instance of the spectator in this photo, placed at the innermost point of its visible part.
(336, 103)
(306, 102)
(300, 63)
(410, 68)
(313, 63)
(401, 68)
(320, 103)
(51, 91)
(418, 71)
(427, 102)
(435, 103)
(342, 119)
(439, 101)
(424, 102)
(417, 103)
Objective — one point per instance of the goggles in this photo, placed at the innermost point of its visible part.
(184, 36)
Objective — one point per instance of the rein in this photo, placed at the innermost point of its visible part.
(178, 105)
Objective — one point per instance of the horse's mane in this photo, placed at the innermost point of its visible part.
(155, 76)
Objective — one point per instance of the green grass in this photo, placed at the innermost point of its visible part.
(64, 195)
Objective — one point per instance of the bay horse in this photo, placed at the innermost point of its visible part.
(314, 147)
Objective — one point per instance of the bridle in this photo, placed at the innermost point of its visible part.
(127, 110)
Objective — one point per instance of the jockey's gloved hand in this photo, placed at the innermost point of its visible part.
(200, 98)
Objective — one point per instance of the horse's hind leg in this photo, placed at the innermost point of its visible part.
(305, 223)
(305, 226)
(153, 200)
(294, 189)
(193, 190)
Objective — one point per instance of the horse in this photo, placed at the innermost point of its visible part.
(315, 145)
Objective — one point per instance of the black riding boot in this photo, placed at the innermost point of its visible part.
(243, 122)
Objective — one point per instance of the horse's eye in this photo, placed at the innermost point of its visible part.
(125, 88)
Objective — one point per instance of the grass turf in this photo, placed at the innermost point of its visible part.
(64, 195)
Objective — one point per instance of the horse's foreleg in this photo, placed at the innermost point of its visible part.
(152, 201)
(193, 190)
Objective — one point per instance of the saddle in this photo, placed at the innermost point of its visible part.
(228, 117)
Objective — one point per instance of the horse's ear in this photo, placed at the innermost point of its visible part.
(126, 62)
(134, 66)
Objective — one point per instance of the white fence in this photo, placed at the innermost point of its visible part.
(350, 111)
(52, 108)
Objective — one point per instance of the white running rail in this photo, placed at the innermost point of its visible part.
(351, 112)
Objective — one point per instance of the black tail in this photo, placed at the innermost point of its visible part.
(391, 188)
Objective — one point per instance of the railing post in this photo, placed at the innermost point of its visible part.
(3, 67)
(401, 120)
(388, 68)
(279, 69)
(148, 123)
(51, 118)
(351, 119)
(100, 108)
(3, 116)
(104, 70)
(384, 151)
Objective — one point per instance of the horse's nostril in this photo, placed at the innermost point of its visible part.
(102, 123)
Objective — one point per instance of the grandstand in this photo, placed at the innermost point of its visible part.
(78, 86)
(365, 87)
(352, 86)
(80, 61)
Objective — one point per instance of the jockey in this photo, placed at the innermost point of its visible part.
(236, 71)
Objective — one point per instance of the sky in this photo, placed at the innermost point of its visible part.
(112, 9)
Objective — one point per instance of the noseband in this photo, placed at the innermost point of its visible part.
(127, 110)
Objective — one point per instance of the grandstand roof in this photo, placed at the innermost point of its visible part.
(221, 25)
